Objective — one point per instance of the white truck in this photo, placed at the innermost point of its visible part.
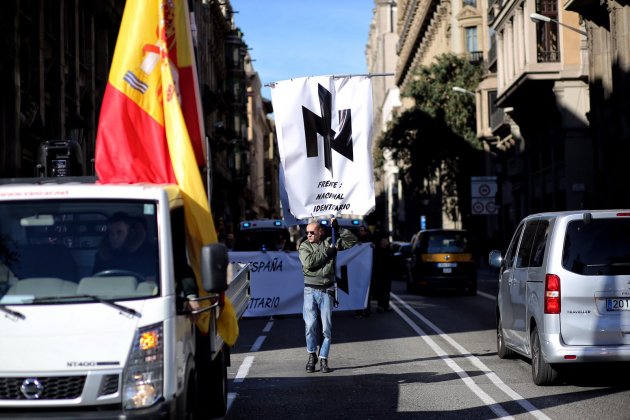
(118, 343)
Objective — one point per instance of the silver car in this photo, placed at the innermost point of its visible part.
(564, 290)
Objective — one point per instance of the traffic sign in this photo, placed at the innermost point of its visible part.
(484, 206)
(483, 191)
(483, 186)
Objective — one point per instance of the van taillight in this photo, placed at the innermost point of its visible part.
(552, 294)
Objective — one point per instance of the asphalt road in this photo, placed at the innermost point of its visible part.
(433, 356)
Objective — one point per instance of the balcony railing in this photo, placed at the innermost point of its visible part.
(545, 56)
(475, 57)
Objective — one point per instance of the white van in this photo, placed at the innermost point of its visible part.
(114, 343)
(564, 290)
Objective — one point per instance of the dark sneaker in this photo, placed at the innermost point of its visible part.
(312, 361)
(324, 365)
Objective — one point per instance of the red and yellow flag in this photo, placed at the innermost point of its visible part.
(149, 115)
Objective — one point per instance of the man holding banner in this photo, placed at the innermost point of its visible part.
(324, 125)
(317, 255)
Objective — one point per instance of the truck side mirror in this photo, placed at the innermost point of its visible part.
(214, 261)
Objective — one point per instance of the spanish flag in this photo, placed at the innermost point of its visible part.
(149, 119)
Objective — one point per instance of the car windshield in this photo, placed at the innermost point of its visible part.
(600, 247)
(52, 251)
(445, 242)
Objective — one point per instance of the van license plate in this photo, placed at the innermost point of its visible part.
(618, 304)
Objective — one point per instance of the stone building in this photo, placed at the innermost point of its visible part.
(541, 72)
(53, 74)
(607, 24)
(428, 29)
(57, 57)
(263, 154)
(381, 59)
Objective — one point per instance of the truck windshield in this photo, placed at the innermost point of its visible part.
(52, 250)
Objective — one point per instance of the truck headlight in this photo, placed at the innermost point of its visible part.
(144, 373)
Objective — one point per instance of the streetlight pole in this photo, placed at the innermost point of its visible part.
(536, 17)
(462, 90)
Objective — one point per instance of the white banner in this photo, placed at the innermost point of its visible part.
(277, 282)
(325, 144)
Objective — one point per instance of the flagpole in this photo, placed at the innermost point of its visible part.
(273, 84)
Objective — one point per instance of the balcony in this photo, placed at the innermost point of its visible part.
(475, 57)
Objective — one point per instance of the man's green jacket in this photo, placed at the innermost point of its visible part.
(318, 268)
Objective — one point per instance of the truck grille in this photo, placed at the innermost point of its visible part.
(52, 388)
(109, 385)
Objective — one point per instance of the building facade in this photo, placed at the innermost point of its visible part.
(428, 29)
(263, 156)
(55, 70)
(607, 24)
(381, 59)
(541, 72)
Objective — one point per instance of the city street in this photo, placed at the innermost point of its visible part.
(433, 356)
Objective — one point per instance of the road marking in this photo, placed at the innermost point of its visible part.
(230, 401)
(268, 326)
(257, 344)
(243, 370)
(486, 295)
(529, 407)
(247, 363)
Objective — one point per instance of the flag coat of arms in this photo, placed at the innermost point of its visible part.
(150, 123)
(323, 126)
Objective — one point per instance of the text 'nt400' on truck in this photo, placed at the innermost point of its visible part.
(83, 334)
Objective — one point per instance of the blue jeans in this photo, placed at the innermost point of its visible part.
(317, 303)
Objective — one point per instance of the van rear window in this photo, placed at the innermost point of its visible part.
(601, 247)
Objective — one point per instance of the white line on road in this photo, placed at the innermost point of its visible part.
(258, 344)
(486, 295)
(243, 370)
(247, 363)
(473, 359)
(268, 326)
(230, 400)
(487, 399)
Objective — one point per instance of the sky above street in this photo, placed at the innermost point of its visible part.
(297, 38)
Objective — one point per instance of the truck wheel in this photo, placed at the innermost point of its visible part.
(542, 372)
(187, 401)
(502, 351)
(218, 385)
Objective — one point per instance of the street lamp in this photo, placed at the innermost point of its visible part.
(536, 17)
(462, 90)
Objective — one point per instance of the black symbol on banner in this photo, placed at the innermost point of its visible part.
(314, 124)
(342, 282)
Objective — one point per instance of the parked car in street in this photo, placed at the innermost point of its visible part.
(442, 259)
(401, 258)
(564, 291)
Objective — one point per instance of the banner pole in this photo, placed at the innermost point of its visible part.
(273, 84)
(334, 243)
